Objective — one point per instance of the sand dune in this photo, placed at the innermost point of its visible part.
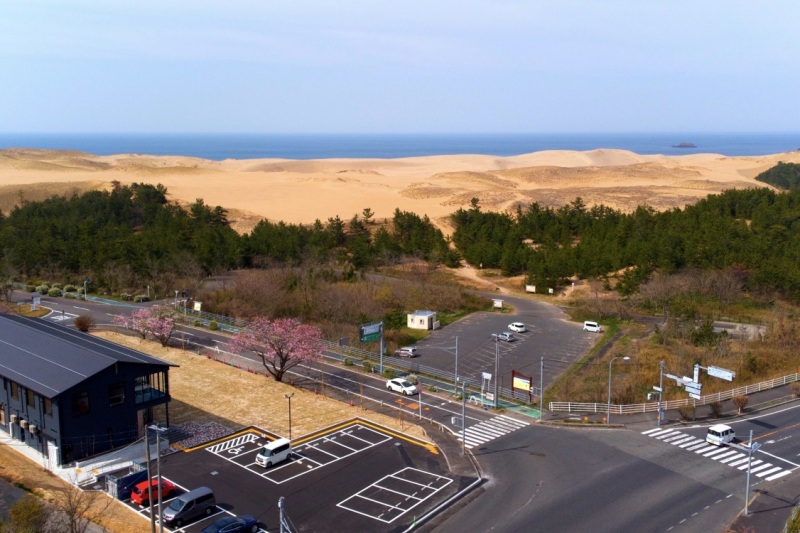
(303, 191)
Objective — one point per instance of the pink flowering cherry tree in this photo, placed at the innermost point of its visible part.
(137, 321)
(281, 344)
(157, 321)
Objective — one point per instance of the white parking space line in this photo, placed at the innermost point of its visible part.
(368, 501)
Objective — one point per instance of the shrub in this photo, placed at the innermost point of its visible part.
(348, 362)
(213, 326)
(196, 323)
(70, 288)
(431, 388)
(56, 286)
(367, 366)
(84, 323)
(686, 412)
(139, 298)
(42, 289)
(740, 402)
(796, 389)
(389, 373)
(716, 409)
(54, 293)
(30, 288)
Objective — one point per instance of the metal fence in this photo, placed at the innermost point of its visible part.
(575, 407)
(444, 377)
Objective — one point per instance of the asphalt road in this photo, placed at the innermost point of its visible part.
(553, 479)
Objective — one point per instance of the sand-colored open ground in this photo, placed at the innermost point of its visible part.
(301, 191)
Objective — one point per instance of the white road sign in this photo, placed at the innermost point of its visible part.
(721, 373)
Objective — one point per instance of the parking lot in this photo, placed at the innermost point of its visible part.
(356, 476)
(548, 334)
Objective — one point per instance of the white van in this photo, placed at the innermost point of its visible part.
(274, 452)
(720, 434)
(594, 327)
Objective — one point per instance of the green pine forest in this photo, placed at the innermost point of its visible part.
(670, 264)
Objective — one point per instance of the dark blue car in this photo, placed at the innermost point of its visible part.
(233, 524)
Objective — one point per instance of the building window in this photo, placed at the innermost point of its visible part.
(30, 397)
(14, 391)
(150, 387)
(80, 403)
(48, 406)
(116, 394)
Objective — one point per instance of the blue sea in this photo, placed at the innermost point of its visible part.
(389, 146)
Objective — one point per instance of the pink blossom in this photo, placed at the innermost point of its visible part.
(282, 343)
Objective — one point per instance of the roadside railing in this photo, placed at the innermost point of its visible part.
(575, 407)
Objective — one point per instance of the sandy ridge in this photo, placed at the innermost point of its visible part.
(300, 191)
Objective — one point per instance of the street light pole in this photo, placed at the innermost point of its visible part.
(747, 484)
(496, 366)
(608, 409)
(289, 397)
(541, 387)
(456, 376)
(463, 416)
(660, 389)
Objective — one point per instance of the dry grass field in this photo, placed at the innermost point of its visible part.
(203, 391)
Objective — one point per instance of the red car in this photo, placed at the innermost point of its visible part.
(141, 495)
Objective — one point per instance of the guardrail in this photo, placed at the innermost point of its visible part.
(576, 407)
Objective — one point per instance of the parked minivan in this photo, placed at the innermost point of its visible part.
(720, 434)
(189, 506)
(274, 452)
(594, 327)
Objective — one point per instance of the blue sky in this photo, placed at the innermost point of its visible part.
(435, 66)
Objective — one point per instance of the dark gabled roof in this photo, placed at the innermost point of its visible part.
(50, 359)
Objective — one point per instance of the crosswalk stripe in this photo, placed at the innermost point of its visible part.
(768, 472)
(754, 463)
(491, 429)
(727, 453)
(722, 454)
(718, 451)
(759, 468)
(776, 476)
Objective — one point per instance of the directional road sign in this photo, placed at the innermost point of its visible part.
(720, 373)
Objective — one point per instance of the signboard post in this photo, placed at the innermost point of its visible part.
(373, 333)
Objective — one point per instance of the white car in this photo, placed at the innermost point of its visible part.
(402, 385)
(519, 327)
(594, 327)
(507, 337)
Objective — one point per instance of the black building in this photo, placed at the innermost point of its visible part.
(70, 395)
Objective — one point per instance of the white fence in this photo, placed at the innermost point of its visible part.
(574, 407)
